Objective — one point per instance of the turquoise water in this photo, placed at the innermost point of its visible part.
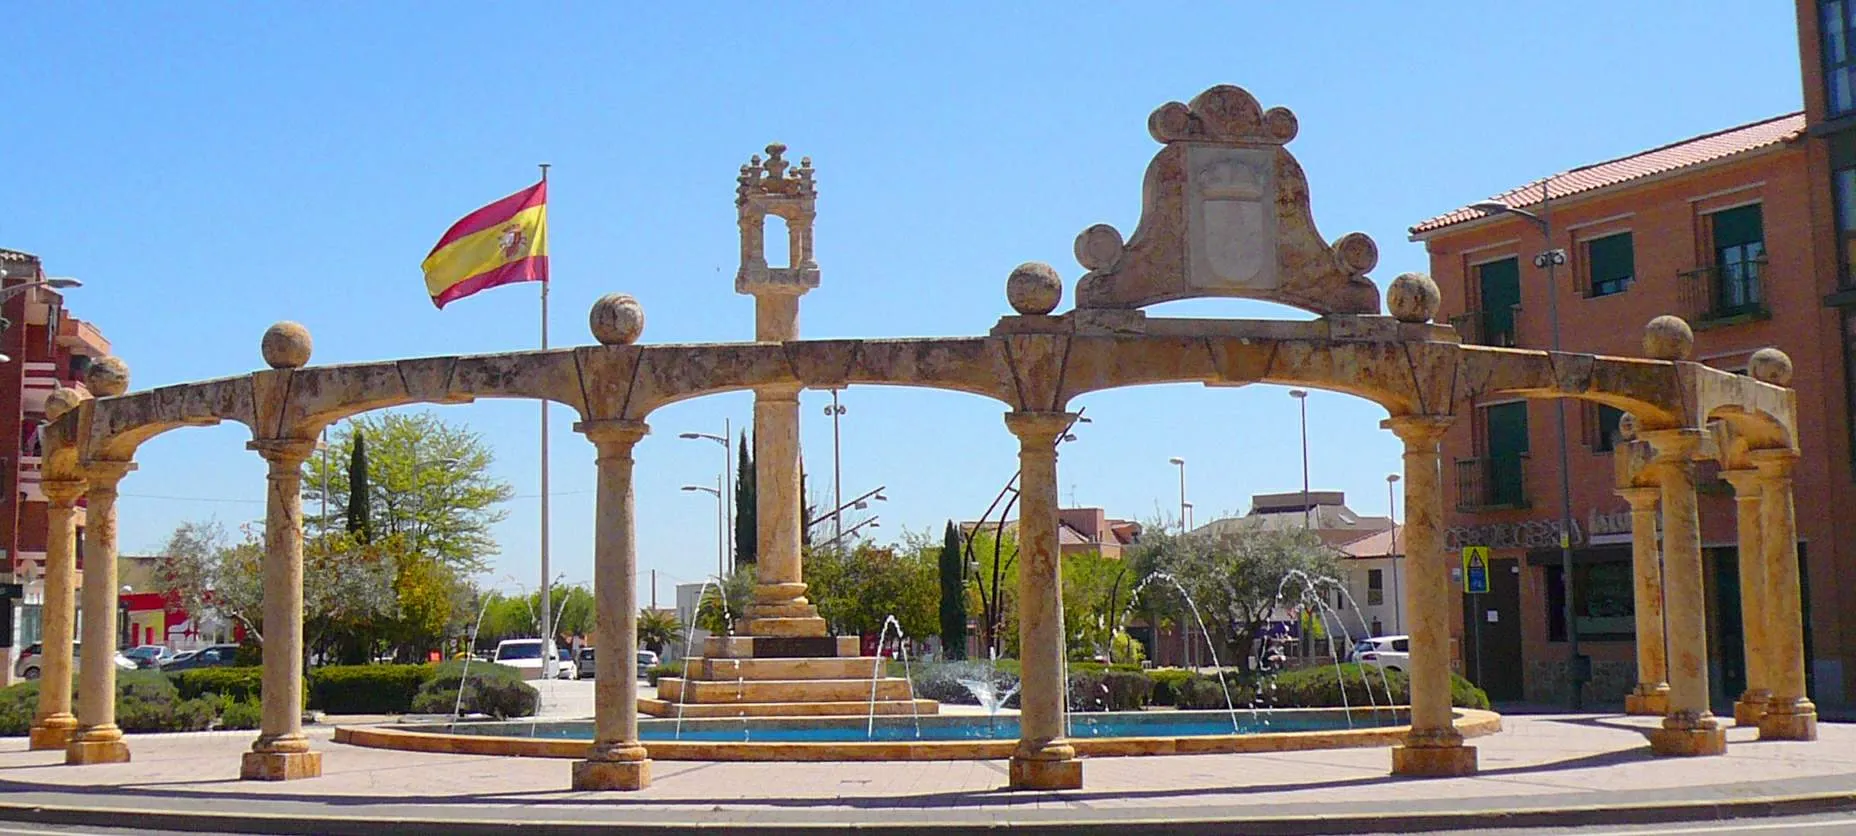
(944, 727)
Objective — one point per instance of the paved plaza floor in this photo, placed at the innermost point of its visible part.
(1542, 770)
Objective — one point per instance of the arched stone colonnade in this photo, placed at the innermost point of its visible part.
(1225, 213)
(1035, 367)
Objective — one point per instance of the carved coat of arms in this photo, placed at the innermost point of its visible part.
(1232, 218)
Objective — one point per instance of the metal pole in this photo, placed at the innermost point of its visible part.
(721, 530)
(547, 626)
(1576, 700)
(728, 498)
(1306, 511)
(1398, 611)
(837, 471)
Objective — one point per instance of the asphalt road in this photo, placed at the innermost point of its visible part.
(1833, 824)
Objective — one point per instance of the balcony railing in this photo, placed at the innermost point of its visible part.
(1487, 483)
(1722, 294)
(1479, 328)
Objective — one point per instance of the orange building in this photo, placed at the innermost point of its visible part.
(1725, 230)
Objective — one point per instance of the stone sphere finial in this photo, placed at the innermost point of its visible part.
(1413, 297)
(1627, 427)
(1770, 365)
(107, 377)
(616, 319)
(62, 400)
(1034, 288)
(286, 345)
(1668, 338)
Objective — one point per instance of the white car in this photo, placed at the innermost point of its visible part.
(1392, 653)
(29, 660)
(525, 655)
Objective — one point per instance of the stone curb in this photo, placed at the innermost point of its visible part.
(1389, 822)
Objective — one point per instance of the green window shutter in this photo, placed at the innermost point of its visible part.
(1734, 227)
(1613, 261)
(1500, 283)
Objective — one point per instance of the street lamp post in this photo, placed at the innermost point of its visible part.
(836, 410)
(1302, 397)
(728, 485)
(1550, 259)
(721, 536)
(1185, 507)
(54, 282)
(1398, 614)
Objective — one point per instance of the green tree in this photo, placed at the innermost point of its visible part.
(358, 517)
(427, 480)
(657, 629)
(857, 588)
(992, 557)
(1088, 584)
(721, 604)
(746, 530)
(953, 595)
(1234, 577)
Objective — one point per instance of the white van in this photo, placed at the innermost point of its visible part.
(525, 655)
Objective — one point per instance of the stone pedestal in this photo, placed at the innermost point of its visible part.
(1066, 774)
(53, 732)
(1749, 709)
(84, 752)
(1774, 725)
(1651, 702)
(1434, 761)
(1689, 742)
(280, 766)
(612, 775)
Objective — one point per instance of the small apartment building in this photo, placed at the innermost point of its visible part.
(1718, 229)
(1373, 569)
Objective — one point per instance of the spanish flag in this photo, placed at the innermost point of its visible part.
(502, 243)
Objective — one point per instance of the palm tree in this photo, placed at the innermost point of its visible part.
(657, 628)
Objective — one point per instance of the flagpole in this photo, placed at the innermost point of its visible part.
(547, 611)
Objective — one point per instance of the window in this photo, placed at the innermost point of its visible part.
(1375, 587)
(1499, 283)
(1605, 421)
(1739, 236)
(1401, 645)
(1602, 602)
(1836, 20)
(1612, 263)
(1505, 443)
(1843, 192)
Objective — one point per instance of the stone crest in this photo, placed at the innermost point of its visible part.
(1225, 213)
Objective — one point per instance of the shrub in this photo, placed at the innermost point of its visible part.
(1320, 687)
(671, 669)
(17, 705)
(1167, 684)
(369, 689)
(241, 714)
(1111, 690)
(1464, 694)
(146, 701)
(232, 683)
(1200, 692)
(496, 690)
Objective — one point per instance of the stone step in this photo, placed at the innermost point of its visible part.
(827, 668)
(661, 708)
(674, 689)
(781, 647)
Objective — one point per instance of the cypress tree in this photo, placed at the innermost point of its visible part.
(360, 522)
(746, 529)
(953, 596)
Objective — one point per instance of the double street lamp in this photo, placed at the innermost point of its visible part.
(727, 482)
(1301, 396)
(1548, 260)
(1185, 508)
(721, 524)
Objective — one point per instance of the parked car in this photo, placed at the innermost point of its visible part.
(584, 665)
(28, 666)
(211, 656)
(525, 655)
(150, 655)
(1392, 653)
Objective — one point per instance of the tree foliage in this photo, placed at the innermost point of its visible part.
(857, 588)
(746, 527)
(359, 518)
(1234, 577)
(992, 557)
(658, 629)
(723, 604)
(953, 609)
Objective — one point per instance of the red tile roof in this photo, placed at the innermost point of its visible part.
(1688, 152)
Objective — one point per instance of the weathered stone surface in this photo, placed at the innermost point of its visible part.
(280, 766)
(107, 376)
(1034, 288)
(286, 345)
(1770, 365)
(1668, 338)
(1413, 297)
(616, 319)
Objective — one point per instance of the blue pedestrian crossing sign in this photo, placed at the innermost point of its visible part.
(1475, 569)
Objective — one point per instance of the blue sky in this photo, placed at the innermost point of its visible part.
(208, 169)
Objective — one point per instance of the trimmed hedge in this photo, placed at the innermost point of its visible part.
(495, 690)
(1110, 690)
(232, 683)
(1120, 688)
(368, 689)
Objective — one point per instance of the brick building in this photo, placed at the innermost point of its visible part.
(1723, 230)
(47, 348)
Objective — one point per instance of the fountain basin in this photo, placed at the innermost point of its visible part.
(962, 737)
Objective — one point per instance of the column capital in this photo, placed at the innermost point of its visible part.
(611, 431)
(1746, 482)
(284, 452)
(103, 474)
(1419, 430)
(1641, 498)
(1044, 427)
(1673, 446)
(777, 393)
(62, 493)
(1775, 463)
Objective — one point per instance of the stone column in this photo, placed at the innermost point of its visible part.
(1043, 759)
(617, 760)
(281, 751)
(1790, 715)
(53, 725)
(1433, 748)
(780, 607)
(1751, 557)
(98, 740)
(1689, 728)
(1651, 696)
